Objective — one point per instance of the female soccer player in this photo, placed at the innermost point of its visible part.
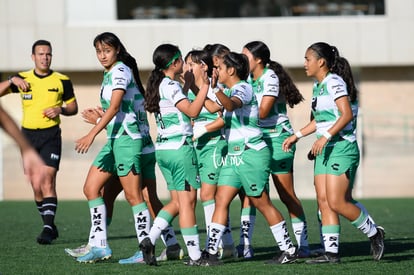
(247, 161)
(121, 101)
(334, 111)
(274, 90)
(174, 148)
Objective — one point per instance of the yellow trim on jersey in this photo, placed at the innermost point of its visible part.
(45, 92)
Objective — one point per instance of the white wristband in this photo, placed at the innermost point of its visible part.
(327, 135)
(299, 134)
(97, 121)
(199, 131)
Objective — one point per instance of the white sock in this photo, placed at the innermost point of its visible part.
(363, 209)
(97, 210)
(192, 242)
(301, 232)
(215, 233)
(157, 227)
(142, 220)
(208, 207)
(281, 235)
(331, 238)
(247, 221)
(331, 242)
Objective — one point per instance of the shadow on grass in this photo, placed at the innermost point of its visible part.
(355, 249)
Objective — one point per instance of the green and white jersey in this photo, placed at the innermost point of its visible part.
(241, 125)
(147, 144)
(326, 112)
(125, 122)
(204, 118)
(173, 126)
(277, 120)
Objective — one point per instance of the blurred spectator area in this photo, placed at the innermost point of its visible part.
(159, 9)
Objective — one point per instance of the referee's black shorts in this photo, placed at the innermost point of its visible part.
(47, 142)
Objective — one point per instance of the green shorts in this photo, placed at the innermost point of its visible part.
(249, 170)
(120, 156)
(209, 159)
(341, 158)
(179, 167)
(148, 166)
(281, 162)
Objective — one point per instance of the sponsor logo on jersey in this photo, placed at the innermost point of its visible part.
(53, 90)
(27, 96)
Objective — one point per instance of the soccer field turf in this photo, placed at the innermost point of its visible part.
(20, 254)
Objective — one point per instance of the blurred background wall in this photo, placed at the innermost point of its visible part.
(375, 36)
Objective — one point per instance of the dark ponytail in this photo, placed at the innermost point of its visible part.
(163, 56)
(287, 87)
(338, 65)
(112, 40)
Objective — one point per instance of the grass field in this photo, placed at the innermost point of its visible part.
(20, 254)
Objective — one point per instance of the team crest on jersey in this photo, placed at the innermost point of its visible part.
(121, 69)
(27, 96)
(321, 91)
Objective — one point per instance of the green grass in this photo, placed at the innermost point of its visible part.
(20, 254)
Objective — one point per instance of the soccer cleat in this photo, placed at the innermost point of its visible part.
(245, 251)
(208, 259)
(47, 236)
(377, 244)
(304, 252)
(148, 251)
(163, 256)
(96, 254)
(326, 258)
(137, 258)
(191, 262)
(172, 252)
(317, 251)
(79, 251)
(55, 234)
(284, 258)
(227, 251)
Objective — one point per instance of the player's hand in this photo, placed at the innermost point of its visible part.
(83, 144)
(91, 115)
(287, 143)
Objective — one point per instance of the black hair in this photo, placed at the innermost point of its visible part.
(41, 42)
(239, 62)
(201, 56)
(336, 64)
(112, 40)
(287, 87)
(216, 49)
(162, 58)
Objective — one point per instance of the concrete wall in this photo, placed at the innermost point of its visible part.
(71, 26)
(379, 48)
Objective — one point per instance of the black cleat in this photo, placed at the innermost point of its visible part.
(327, 258)
(284, 258)
(208, 259)
(46, 236)
(377, 244)
(148, 251)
